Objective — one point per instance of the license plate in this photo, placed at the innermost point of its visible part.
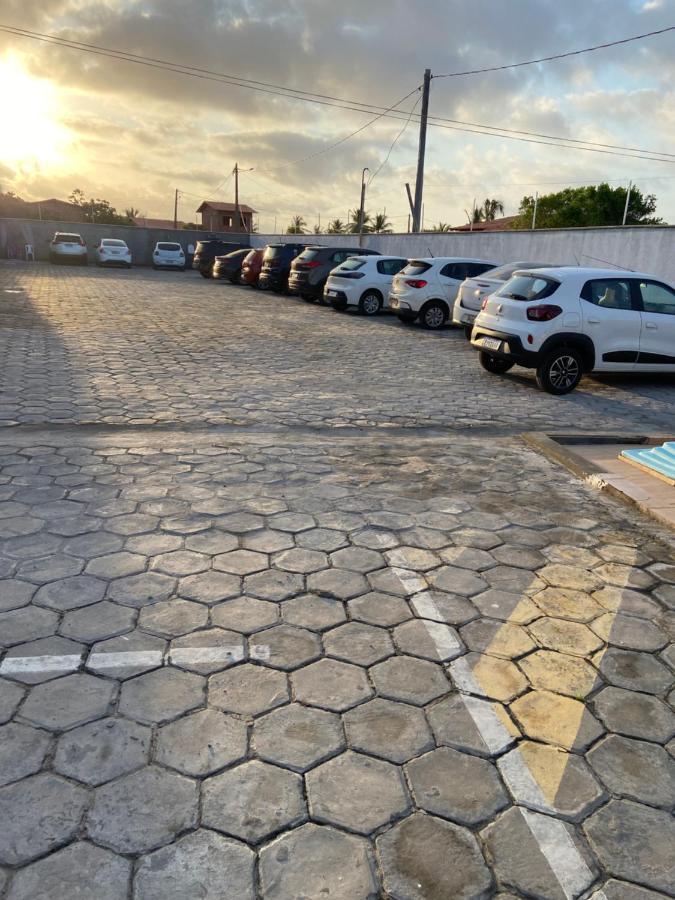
(492, 343)
(331, 293)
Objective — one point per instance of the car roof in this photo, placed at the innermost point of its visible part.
(453, 259)
(563, 273)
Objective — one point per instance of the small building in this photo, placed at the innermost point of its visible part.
(502, 224)
(222, 217)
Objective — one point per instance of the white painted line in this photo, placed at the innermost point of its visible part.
(496, 736)
(426, 607)
(564, 859)
(186, 655)
(446, 642)
(125, 659)
(22, 665)
(464, 679)
(410, 581)
(522, 783)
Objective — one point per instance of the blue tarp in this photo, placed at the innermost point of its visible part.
(659, 459)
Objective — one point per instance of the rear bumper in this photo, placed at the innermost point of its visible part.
(202, 265)
(304, 287)
(402, 307)
(463, 316)
(511, 347)
(168, 263)
(338, 299)
(272, 280)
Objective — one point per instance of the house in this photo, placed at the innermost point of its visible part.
(221, 217)
(50, 210)
(503, 224)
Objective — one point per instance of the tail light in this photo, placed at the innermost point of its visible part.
(543, 313)
(484, 303)
(416, 282)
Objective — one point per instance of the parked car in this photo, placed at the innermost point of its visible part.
(472, 291)
(251, 266)
(228, 267)
(112, 252)
(168, 255)
(276, 265)
(568, 321)
(363, 282)
(311, 268)
(67, 247)
(427, 288)
(206, 252)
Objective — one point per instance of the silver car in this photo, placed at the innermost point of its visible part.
(66, 247)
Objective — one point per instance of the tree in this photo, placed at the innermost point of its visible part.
(337, 226)
(580, 207)
(317, 229)
(488, 211)
(131, 212)
(297, 226)
(353, 227)
(98, 210)
(442, 227)
(381, 224)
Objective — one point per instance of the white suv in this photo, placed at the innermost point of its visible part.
(168, 255)
(362, 282)
(66, 246)
(427, 288)
(564, 322)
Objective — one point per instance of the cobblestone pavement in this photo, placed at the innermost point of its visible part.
(331, 666)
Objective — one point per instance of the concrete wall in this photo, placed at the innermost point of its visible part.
(141, 241)
(647, 249)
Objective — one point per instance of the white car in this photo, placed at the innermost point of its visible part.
(427, 288)
(362, 282)
(567, 321)
(65, 246)
(112, 252)
(168, 255)
(473, 291)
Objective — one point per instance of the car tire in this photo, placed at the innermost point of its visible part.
(493, 364)
(467, 331)
(560, 371)
(433, 315)
(370, 304)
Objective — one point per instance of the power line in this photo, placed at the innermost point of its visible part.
(533, 62)
(394, 142)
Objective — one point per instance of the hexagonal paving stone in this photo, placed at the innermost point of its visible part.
(567, 637)
(207, 651)
(71, 593)
(241, 562)
(186, 524)
(331, 684)
(358, 643)
(342, 584)
(10, 697)
(141, 590)
(42, 660)
(424, 857)
(470, 724)
(201, 743)
(248, 690)
(634, 671)
(161, 695)
(98, 622)
(550, 780)
(51, 568)
(476, 537)
(636, 770)
(285, 647)
(629, 633)
(441, 607)
(497, 638)
(103, 750)
(397, 581)
(415, 681)
(562, 674)
(554, 719)
(39, 814)
(627, 602)
(456, 786)
(317, 861)
(564, 603)
(625, 576)
(67, 702)
(171, 618)
(357, 793)
(636, 715)
(468, 558)
(268, 541)
(142, 811)
(22, 751)
(180, 562)
(395, 731)
(301, 561)
(202, 864)
(133, 523)
(240, 523)
(245, 614)
(506, 606)
(127, 655)
(634, 842)
(517, 842)
(383, 610)
(71, 873)
(487, 676)
(574, 577)
(209, 587)
(274, 585)
(116, 565)
(211, 542)
(430, 640)
(326, 539)
(312, 612)
(26, 624)
(513, 580)
(14, 594)
(298, 738)
(357, 559)
(253, 801)
(620, 890)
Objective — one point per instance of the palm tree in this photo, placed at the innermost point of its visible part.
(132, 212)
(317, 229)
(337, 226)
(442, 227)
(488, 211)
(297, 226)
(354, 227)
(381, 224)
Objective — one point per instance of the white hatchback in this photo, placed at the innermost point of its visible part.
(427, 288)
(112, 252)
(168, 255)
(568, 321)
(362, 282)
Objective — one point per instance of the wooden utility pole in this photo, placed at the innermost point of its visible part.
(237, 214)
(362, 208)
(625, 210)
(419, 183)
(175, 209)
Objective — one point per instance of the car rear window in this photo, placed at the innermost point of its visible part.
(112, 242)
(503, 273)
(250, 256)
(67, 238)
(309, 255)
(416, 267)
(272, 253)
(351, 264)
(528, 287)
(166, 246)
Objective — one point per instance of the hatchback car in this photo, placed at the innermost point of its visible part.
(427, 288)
(472, 291)
(363, 283)
(228, 267)
(206, 252)
(568, 321)
(168, 255)
(310, 270)
(66, 247)
(276, 265)
(112, 252)
(251, 266)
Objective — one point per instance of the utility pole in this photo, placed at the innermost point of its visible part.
(362, 209)
(625, 211)
(419, 183)
(534, 213)
(237, 217)
(175, 210)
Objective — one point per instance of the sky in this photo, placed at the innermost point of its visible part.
(133, 134)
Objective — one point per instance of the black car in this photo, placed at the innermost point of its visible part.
(206, 252)
(310, 270)
(229, 267)
(276, 265)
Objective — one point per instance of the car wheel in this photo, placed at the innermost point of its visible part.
(434, 315)
(370, 304)
(561, 371)
(467, 331)
(493, 365)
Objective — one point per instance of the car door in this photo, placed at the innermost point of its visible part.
(450, 277)
(657, 334)
(610, 315)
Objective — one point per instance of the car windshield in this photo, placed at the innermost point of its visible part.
(351, 264)
(67, 239)
(416, 267)
(528, 287)
(173, 247)
(111, 242)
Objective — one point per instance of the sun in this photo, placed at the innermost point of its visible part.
(30, 134)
